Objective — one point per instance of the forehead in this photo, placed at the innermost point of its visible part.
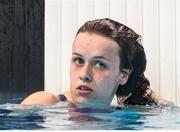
(94, 43)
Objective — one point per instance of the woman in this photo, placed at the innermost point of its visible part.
(107, 60)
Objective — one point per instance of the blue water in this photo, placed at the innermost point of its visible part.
(62, 117)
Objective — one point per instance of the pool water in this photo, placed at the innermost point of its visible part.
(62, 117)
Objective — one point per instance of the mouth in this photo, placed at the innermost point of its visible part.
(83, 89)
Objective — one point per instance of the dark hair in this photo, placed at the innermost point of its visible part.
(131, 54)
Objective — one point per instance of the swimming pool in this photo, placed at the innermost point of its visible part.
(59, 117)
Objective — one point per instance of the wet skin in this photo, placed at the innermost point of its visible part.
(94, 69)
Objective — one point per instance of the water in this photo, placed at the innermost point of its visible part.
(62, 117)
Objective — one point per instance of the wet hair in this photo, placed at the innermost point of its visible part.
(132, 58)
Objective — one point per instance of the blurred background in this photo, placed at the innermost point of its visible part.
(21, 49)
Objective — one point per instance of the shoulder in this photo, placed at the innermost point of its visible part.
(160, 100)
(41, 98)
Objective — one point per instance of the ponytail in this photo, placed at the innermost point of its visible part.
(135, 89)
(139, 95)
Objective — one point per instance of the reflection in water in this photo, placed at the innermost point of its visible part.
(84, 114)
(116, 118)
(64, 116)
(10, 120)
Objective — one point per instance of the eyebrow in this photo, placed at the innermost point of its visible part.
(77, 54)
(101, 57)
(96, 57)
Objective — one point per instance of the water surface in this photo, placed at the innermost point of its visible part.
(62, 117)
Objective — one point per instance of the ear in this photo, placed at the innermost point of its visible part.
(123, 78)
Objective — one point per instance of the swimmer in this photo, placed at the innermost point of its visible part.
(107, 60)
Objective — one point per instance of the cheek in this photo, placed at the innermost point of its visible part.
(111, 74)
(107, 79)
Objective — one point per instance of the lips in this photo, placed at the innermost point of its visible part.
(83, 89)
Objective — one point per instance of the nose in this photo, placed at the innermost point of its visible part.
(85, 74)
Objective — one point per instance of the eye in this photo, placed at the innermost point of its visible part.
(100, 65)
(78, 60)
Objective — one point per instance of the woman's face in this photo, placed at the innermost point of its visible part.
(94, 70)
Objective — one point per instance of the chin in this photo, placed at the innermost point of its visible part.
(82, 100)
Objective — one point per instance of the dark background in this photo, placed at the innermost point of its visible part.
(21, 49)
